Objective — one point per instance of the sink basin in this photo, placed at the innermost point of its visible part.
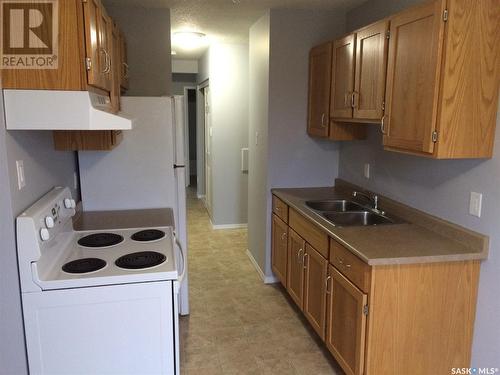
(362, 218)
(335, 206)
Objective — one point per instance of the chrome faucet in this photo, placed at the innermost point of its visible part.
(372, 198)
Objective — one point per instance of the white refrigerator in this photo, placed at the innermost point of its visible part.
(147, 170)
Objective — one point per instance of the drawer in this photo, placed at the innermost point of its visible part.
(280, 208)
(310, 232)
(357, 271)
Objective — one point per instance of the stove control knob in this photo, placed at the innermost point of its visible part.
(67, 203)
(49, 222)
(44, 234)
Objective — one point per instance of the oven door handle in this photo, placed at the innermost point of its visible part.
(183, 255)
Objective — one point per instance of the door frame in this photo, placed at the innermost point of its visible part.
(187, 161)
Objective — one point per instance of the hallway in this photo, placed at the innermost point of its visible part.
(238, 325)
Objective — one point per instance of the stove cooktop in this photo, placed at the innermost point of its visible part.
(128, 261)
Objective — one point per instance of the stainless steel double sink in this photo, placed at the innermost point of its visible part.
(344, 213)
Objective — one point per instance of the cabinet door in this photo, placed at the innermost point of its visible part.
(345, 336)
(295, 272)
(320, 65)
(279, 249)
(104, 25)
(413, 74)
(90, 12)
(316, 270)
(342, 77)
(371, 63)
(97, 45)
(124, 63)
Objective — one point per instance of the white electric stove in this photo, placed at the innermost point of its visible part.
(97, 302)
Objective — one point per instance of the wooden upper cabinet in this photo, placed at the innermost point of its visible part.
(316, 270)
(345, 336)
(343, 77)
(70, 73)
(320, 61)
(413, 74)
(370, 71)
(443, 78)
(279, 249)
(295, 271)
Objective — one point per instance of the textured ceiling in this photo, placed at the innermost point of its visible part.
(225, 20)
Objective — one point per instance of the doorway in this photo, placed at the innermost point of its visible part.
(190, 139)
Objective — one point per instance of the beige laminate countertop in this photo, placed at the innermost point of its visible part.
(422, 238)
(123, 219)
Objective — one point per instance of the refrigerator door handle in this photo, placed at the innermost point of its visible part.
(179, 166)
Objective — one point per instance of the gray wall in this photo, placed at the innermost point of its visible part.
(147, 31)
(228, 72)
(440, 187)
(44, 169)
(294, 159)
(258, 121)
(181, 80)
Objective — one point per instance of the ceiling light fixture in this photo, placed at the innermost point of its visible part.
(188, 39)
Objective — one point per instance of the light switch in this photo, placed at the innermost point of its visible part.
(21, 180)
(476, 200)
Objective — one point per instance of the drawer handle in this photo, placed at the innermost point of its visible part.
(283, 236)
(300, 259)
(306, 264)
(327, 283)
(347, 266)
(277, 209)
(341, 262)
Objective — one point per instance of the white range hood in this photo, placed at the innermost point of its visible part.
(60, 110)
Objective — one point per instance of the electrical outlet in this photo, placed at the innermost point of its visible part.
(21, 180)
(475, 203)
(367, 170)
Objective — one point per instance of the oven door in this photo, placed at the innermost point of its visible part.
(119, 329)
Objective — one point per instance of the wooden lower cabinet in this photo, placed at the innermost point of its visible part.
(316, 269)
(295, 272)
(391, 319)
(86, 140)
(279, 249)
(347, 310)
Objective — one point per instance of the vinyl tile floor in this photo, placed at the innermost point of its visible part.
(237, 324)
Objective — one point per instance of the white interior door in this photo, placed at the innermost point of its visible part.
(208, 152)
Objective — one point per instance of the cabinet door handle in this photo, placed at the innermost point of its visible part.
(340, 261)
(382, 125)
(304, 257)
(327, 282)
(355, 99)
(283, 236)
(299, 258)
(126, 75)
(107, 61)
(323, 121)
(346, 100)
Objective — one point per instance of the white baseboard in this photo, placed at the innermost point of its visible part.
(229, 226)
(266, 279)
